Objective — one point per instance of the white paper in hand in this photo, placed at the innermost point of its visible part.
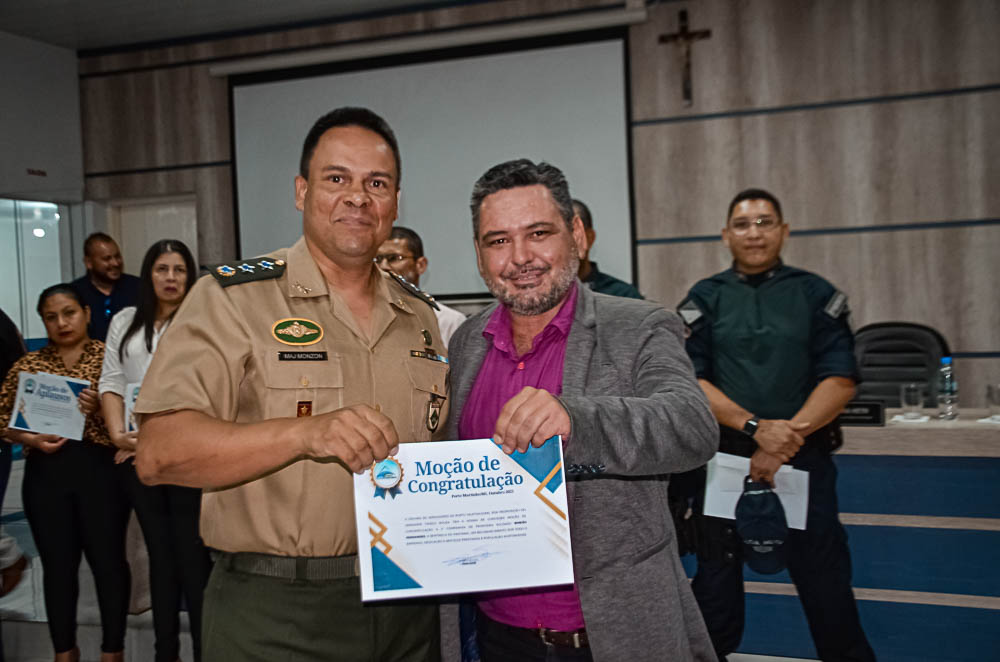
(724, 485)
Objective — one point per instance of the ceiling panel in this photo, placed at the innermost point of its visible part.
(101, 24)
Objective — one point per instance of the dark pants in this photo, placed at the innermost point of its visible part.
(819, 563)
(178, 561)
(75, 504)
(499, 642)
(251, 618)
(6, 459)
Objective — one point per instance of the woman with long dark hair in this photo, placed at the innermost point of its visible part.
(72, 496)
(168, 514)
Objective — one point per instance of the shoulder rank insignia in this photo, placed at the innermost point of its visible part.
(690, 311)
(247, 271)
(836, 305)
(414, 290)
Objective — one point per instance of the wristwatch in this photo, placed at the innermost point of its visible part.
(750, 427)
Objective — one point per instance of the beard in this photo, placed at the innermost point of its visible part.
(537, 302)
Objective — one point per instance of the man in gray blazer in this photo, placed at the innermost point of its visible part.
(611, 376)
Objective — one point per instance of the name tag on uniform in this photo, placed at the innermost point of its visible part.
(426, 354)
(302, 356)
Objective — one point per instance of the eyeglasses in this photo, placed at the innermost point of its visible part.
(741, 226)
(391, 258)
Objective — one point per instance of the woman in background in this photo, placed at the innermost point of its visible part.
(168, 514)
(72, 495)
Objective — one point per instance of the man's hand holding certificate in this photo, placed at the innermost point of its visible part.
(462, 516)
(49, 404)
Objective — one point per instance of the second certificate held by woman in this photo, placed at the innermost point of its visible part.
(168, 514)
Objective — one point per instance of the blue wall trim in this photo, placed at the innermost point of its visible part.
(824, 105)
(898, 632)
(954, 561)
(35, 344)
(912, 559)
(861, 229)
(932, 486)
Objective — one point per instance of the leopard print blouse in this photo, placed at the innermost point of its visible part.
(47, 359)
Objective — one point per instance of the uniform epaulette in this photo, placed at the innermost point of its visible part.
(414, 290)
(247, 271)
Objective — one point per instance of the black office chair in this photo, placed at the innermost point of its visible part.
(890, 354)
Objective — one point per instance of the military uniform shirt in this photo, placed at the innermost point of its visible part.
(766, 340)
(224, 356)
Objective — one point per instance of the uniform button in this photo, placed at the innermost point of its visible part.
(435, 388)
(378, 408)
(728, 531)
(729, 556)
(305, 381)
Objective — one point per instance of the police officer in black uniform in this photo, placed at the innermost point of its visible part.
(773, 351)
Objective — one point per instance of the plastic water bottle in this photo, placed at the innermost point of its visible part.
(947, 391)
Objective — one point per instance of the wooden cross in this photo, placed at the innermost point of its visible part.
(684, 39)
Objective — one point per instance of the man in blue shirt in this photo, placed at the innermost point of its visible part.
(773, 351)
(105, 287)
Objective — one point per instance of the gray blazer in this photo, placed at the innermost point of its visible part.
(637, 414)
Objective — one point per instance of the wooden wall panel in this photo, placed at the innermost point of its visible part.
(212, 188)
(927, 159)
(154, 118)
(765, 53)
(936, 277)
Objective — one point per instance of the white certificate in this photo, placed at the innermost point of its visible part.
(131, 395)
(462, 517)
(48, 404)
(724, 486)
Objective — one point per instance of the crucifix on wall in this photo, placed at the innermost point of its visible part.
(683, 38)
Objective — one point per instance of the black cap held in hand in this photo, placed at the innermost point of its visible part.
(761, 524)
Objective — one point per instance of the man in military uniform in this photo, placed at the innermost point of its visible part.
(279, 377)
(773, 351)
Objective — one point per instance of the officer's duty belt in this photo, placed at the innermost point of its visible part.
(312, 568)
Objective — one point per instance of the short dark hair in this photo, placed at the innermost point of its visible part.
(348, 116)
(583, 211)
(60, 288)
(412, 239)
(96, 237)
(518, 173)
(754, 194)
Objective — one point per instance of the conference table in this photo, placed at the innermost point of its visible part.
(921, 505)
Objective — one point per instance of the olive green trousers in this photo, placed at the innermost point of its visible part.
(251, 617)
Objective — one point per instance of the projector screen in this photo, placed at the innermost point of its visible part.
(454, 119)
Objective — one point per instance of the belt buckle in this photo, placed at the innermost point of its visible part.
(543, 634)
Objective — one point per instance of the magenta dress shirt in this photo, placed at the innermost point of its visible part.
(501, 377)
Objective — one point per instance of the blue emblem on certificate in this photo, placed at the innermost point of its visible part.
(386, 475)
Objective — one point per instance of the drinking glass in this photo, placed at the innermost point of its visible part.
(911, 398)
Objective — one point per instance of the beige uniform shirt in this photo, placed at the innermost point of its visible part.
(224, 356)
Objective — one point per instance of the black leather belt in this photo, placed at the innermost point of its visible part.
(564, 638)
(312, 568)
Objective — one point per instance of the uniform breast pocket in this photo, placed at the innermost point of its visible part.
(428, 396)
(302, 388)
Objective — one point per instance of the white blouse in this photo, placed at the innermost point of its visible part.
(130, 369)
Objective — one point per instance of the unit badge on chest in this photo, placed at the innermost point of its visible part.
(297, 331)
(434, 412)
